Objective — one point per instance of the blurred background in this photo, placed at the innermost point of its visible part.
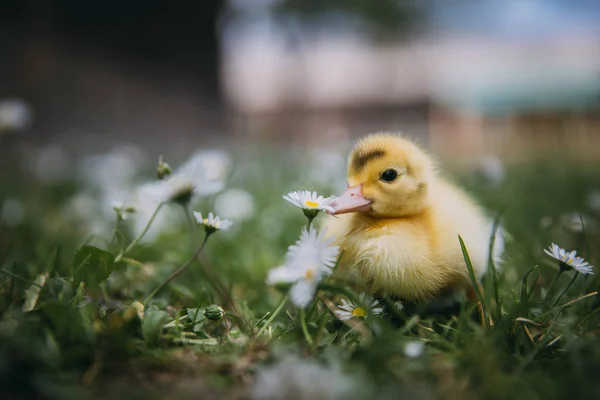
(465, 76)
(267, 96)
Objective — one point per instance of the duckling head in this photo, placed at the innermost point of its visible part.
(388, 176)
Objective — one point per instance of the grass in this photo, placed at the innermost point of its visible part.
(72, 325)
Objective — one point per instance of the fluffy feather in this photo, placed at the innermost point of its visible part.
(406, 244)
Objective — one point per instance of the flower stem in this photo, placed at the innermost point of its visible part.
(305, 328)
(566, 290)
(115, 232)
(560, 271)
(19, 278)
(190, 223)
(274, 315)
(322, 321)
(141, 235)
(177, 272)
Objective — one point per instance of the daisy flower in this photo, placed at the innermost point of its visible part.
(310, 259)
(569, 259)
(212, 223)
(192, 179)
(414, 349)
(310, 202)
(348, 310)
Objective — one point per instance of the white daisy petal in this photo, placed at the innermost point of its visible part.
(198, 217)
(347, 306)
(377, 310)
(343, 315)
(302, 292)
(283, 274)
(551, 254)
(309, 200)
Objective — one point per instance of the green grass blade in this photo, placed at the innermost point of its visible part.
(474, 282)
(492, 264)
(525, 291)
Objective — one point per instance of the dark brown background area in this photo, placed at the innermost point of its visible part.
(99, 69)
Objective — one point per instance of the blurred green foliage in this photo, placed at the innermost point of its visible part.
(70, 326)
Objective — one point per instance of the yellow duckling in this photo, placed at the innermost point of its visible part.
(401, 230)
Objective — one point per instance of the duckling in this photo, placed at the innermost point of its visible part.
(398, 222)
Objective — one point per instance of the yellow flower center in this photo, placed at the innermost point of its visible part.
(309, 274)
(569, 261)
(359, 312)
(312, 204)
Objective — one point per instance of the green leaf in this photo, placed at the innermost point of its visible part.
(199, 330)
(474, 282)
(154, 321)
(195, 315)
(92, 265)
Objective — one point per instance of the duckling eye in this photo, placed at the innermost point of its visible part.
(389, 175)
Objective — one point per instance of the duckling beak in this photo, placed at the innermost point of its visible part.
(351, 201)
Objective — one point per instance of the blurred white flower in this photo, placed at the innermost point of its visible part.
(414, 349)
(309, 200)
(593, 200)
(235, 204)
(304, 379)
(573, 222)
(167, 219)
(399, 306)
(569, 258)
(491, 168)
(84, 210)
(51, 164)
(202, 175)
(15, 115)
(12, 212)
(307, 262)
(546, 222)
(215, 163)
(113, 171)
(176, 189)
(366, 305)
(212, 223)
